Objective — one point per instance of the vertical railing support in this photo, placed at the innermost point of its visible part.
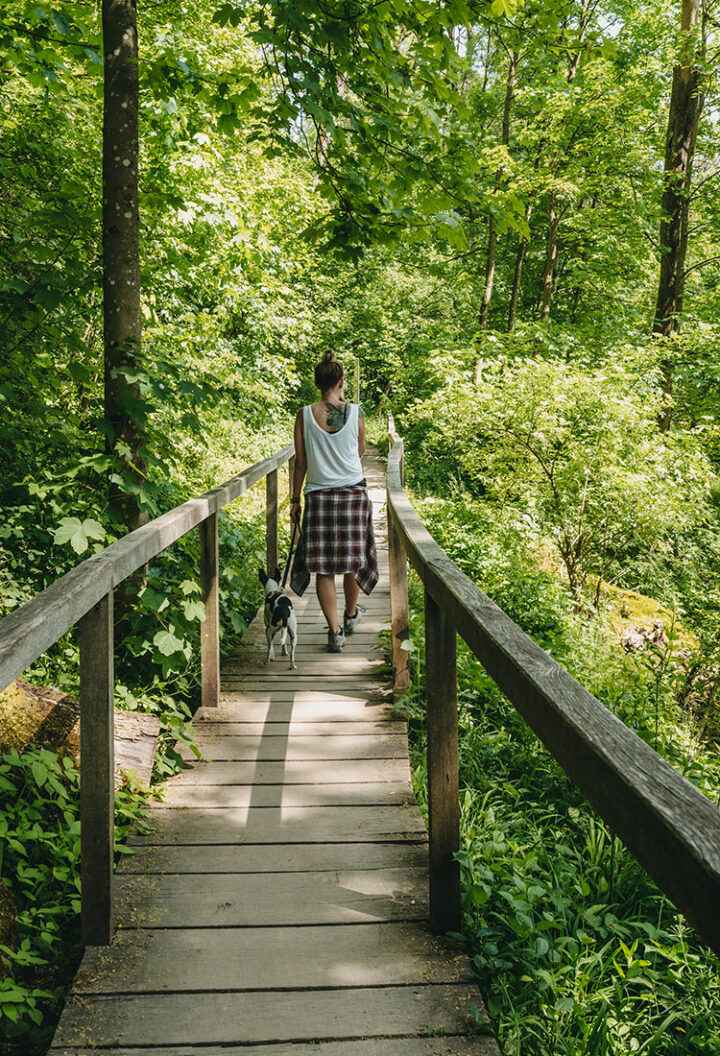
(97, 771)
(271, 520)
(442, 764)
(398, 610)
(210, 641)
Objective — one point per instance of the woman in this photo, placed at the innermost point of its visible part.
(337, 533)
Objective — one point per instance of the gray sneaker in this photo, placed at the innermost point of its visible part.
(351, 622)
(336, 641)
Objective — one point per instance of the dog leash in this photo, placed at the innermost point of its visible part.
(290, 555)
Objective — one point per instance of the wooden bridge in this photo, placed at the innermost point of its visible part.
(288, 899)
(281, 899)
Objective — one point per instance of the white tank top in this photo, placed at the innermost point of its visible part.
(332, 458)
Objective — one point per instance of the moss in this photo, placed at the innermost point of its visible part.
(34, 715)
(18, 718)
(627, 607)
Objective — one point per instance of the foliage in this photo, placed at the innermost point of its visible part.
(575, 948)
(39, 861)
(576, 451)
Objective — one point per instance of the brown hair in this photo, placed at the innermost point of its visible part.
(328, 372)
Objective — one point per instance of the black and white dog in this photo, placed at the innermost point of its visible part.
(279, 613)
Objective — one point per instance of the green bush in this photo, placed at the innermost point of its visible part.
(40, 866)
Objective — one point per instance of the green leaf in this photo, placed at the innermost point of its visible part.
(76, 532)
(153, 600)
(39, 772)
(167, 643)
(194, 610)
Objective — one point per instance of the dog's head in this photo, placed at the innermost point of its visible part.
(270, 583)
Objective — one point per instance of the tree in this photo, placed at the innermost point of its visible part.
(124, 412)
(686, 103)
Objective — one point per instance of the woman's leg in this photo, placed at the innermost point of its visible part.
(352, 592)
(327, 596)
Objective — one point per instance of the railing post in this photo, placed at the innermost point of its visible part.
(398, 609)
(442, 764)
(271, 520)
(97, 771)
(210, 642)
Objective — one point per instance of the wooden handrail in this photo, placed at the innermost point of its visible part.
(33, 627)
(670, 827)
(85, 597)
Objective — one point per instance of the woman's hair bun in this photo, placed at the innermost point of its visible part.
(328, 372)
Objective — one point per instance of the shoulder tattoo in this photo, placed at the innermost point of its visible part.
(335, 416)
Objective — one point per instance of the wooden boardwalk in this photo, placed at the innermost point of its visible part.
(280, 904)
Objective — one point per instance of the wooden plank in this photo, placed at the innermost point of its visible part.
(418, 1046)
(357, 656)
(301, 706)
(305, 772)
(274, 858)
(283, 825)
(97, 771)
(375, 690)
(299, 712)
(33, 627)
(370, 728)
(258, 1017)
(442, 765)
(310, 669)
(669, 825)
(312, 662)
(400, 954)
(183, 794)
(210, 630)
(270, 748)
(262, 900)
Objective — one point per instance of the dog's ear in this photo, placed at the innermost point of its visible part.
(277, 574)
(261, 575)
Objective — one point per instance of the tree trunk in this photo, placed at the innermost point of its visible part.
(686, 102)
(551, 254)
(519, 260)
(551, 258)
(492, 235)
(121, 254)
(489, 273)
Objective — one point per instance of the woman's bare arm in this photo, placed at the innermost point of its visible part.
(300, 464)
(361, 434)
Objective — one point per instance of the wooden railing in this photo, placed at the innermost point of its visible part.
(85, 597)
(671, 828)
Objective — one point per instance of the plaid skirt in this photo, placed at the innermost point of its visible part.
(337, 537)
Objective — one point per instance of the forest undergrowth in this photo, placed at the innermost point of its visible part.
(577, 951)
